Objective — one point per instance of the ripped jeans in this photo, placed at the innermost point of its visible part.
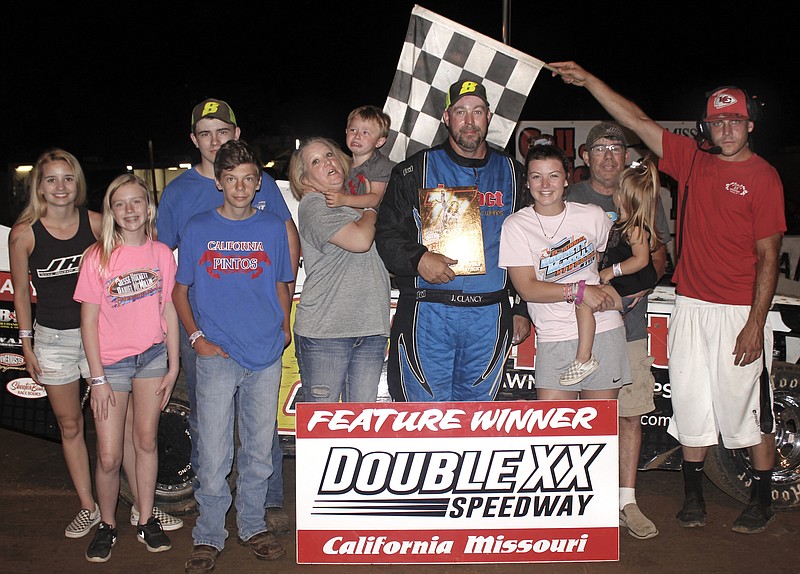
(347, 368)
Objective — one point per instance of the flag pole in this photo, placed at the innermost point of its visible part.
(507, 31)
(506, 23)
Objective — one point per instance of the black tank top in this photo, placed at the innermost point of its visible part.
(617, 251)
(54, 265)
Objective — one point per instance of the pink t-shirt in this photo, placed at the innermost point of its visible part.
(567, 258)
(731, 205)
(131, 295)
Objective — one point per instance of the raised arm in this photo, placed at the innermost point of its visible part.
(624, 111)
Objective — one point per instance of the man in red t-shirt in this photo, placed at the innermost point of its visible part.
(730, 225)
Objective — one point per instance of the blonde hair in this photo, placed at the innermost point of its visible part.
(36, 207)
(110, 235)
(372, 114)
(297, 165)
(637, 192)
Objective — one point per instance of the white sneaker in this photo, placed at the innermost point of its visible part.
(168, 522)
(578, 371)
(83, 522)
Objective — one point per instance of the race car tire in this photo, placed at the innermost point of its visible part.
(174, 493)
(732, 471)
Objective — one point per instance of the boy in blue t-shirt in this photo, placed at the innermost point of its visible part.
(213, 122)
(236, 260)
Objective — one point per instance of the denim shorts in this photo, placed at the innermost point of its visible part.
(151, 364)
(60, 355)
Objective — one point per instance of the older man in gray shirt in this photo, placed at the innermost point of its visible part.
(606, 154)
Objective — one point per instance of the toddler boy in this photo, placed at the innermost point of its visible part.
(367, 129)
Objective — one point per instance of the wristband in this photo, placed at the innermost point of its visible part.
(97, 381)
(372, 209)
(194, 336)
(569, 290)
(617, 268)
(579, 294)
(25, 334)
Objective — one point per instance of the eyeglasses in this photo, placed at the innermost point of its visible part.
(616, 149)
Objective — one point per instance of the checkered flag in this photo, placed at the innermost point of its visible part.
(437, 53)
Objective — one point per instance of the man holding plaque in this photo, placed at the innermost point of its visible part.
(454, 324)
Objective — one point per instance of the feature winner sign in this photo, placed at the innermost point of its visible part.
(388, 483)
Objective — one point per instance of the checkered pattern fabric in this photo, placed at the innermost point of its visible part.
(438, 52)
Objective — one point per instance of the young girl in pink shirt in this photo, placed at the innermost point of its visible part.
(129, 329)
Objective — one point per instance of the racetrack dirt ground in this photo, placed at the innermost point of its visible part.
(37, 502)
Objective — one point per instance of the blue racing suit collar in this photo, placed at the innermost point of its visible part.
(466, 161)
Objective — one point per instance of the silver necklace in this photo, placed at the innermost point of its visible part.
(557, 228)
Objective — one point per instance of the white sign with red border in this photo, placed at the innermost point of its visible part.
(387, 483)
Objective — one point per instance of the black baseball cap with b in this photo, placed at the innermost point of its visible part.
(212, 108)
(465, 88)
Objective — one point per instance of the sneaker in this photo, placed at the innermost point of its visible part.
(83, 522)
(578, 371)
(693, 513)
(168, 522)
(278, 520)
(153, 536)
(100, 548)
(638, 525)
(754, 519)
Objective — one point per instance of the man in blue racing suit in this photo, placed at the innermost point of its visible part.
(451, 334)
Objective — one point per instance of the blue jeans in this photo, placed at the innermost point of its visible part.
(188, 362)
(60, 354)
(275, 484)
(223, 388)
(149, 364)
(347, 368)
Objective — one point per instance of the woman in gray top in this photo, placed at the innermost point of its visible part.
(341, 325)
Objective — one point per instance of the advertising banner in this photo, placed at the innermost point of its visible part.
(491, 482)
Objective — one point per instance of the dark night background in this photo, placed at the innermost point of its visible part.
(105, 81)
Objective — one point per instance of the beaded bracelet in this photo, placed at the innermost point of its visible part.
(569, 292)
(97, 381)
(25, 334)
(194, 336)
(579, 295)
(617, 268)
